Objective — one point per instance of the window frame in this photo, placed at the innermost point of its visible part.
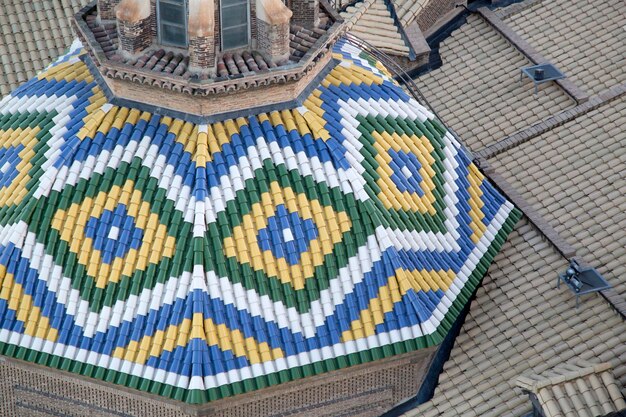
(184, 25)
(249, 27)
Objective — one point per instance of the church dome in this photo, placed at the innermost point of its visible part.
(199, 261)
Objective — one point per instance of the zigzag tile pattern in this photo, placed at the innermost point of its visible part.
(201, 261)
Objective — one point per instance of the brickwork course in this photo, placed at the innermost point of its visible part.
(202, 53)
(273, 41)
(135, 37)
(559, 156)
(106, 9)
(305, 13)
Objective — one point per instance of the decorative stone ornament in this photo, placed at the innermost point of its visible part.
(134, 22)
(273, 19)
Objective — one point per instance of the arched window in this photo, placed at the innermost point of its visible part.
(235, 23)
(172, 18)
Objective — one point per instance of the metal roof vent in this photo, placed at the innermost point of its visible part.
(541, 73)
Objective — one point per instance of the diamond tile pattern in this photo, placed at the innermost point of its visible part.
(201, 261)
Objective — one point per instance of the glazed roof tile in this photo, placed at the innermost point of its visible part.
(31, 35)
(578, 389)
(201, 261)
(592, 53)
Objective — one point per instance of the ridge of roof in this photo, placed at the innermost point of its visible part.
(562, 373)
(373, 21)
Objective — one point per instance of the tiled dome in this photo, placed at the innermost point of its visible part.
(201, 261)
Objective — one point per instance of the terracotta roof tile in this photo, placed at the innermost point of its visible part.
(32, 33)
(578, 185)
(228, 64)
(499, 331)
(408, 9)
(591, 52)
(477, 90)
(575, 389)
(372, 21)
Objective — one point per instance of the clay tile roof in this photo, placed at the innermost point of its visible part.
(566, 160)
(579, 389)
(201, 261)
(408, 9)
(592, 53)
(371, 20)
(32, 33)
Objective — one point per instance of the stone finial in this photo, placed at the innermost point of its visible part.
(273, 19)
(202, 36)
(134, 22)
(306, 13)
(106, 9)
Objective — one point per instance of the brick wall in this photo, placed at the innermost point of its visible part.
(202, 54)
(305, 13)
(360, 391)
(153, 23)
(273, 41)
(134, 37)
(106, 9)
(253, 23)
(435, 10)
(31, 390)
(218, 28)
(214, 104)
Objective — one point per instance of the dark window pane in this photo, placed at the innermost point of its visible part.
(226, 3)
(234, 16)
(174, 35)
(172, 22)
(171, 13)
(235, 37)
(235, 23)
